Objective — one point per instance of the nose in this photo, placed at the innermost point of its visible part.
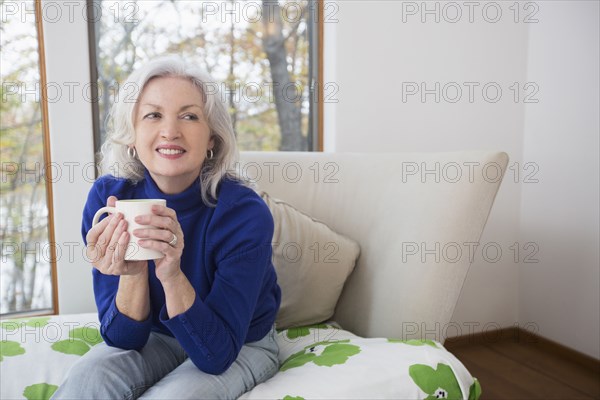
(169, 129)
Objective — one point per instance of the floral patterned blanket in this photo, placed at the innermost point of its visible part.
(317, 362)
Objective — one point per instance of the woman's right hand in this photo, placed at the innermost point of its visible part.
(106, 245)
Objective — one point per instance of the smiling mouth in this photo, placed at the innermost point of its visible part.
(170, 152)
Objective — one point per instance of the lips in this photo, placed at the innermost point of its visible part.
(170, 150)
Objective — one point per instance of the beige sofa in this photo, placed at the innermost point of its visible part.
(416, 217)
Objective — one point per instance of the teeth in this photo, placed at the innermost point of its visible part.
(170, 151)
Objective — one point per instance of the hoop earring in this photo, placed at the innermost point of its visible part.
(131, 152)
(210, 155)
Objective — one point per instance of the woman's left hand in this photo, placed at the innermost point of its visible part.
(168, 239)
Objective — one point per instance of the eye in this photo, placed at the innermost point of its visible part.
(190, 117)
(152, 115)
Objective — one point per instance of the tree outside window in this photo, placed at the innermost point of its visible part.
(258, 52)
(25, 251)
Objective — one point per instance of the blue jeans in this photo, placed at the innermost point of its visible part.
(162, 370)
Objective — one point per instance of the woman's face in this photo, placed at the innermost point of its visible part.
(171, 132)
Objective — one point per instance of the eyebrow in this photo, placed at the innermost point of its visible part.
(181, 109)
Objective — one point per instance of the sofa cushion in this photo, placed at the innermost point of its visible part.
(316, 362)
(397, 211)
(326, 362)
(312, 263)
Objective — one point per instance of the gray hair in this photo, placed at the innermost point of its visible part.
(114, 158)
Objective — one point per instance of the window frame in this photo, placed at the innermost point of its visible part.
(47, 156)
(316, 85)
(54, 309)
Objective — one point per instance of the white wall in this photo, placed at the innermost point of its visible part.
(561, 292)
(70, 124)
(375, 46)
(374, 53)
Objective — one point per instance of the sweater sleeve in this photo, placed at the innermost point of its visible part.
(116, 329)
(213, 331)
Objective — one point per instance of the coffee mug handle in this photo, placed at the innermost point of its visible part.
(102, 211)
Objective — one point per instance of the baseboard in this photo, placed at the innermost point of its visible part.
(519, 335)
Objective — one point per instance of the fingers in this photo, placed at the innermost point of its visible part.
(96, 230)
(163, 246)
(102, 247)
(161, 217)
(122, 244)
(160, 239)
(162, 235)
(117, 264)
(114, 262)
(97, 234)
(115, 252)
(107, 243)
(164, 211)
(111, 201)
(164, 225)
(107, 233)
(158, 222)
(96, 238)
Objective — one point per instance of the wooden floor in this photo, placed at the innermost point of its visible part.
(511, 368)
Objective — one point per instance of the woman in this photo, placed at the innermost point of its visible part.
(199, 322)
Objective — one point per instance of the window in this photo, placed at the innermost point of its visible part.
(263, 52)
(27, 270)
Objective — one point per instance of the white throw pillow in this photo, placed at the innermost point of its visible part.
(312, 263)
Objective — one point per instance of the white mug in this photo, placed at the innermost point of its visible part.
(131, 209)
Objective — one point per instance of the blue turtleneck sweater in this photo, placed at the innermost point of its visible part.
(226, 258)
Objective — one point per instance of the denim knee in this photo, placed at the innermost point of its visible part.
(104, 373)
